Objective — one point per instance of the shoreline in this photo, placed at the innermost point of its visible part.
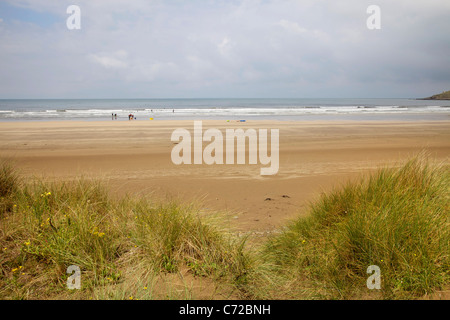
(307, 117)
(168, 121)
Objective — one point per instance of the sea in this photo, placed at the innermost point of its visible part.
(223, 109)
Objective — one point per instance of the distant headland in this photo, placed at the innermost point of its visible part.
(441, 96)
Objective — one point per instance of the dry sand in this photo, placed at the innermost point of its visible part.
(135, 156)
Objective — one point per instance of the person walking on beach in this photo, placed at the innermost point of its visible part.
(115, 116)
(112, 116)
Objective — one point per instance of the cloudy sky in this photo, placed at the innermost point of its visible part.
(224, 49)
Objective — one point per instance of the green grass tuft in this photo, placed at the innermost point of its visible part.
(53, 226)
(397, 219)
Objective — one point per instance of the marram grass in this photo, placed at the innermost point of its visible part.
(396, 219)
(45, 228)
(134, 248)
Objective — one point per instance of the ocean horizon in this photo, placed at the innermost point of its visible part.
(230, 109)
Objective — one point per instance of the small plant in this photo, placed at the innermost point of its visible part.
(8, 180)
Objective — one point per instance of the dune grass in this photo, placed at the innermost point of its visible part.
(134, 248)
(396, 219)
(46, 227)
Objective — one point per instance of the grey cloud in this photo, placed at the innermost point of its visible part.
(228, 49)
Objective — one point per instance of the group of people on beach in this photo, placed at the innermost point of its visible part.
(130, 116)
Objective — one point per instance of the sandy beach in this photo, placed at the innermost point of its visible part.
(135, 157)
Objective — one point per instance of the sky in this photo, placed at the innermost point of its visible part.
(224, 49)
